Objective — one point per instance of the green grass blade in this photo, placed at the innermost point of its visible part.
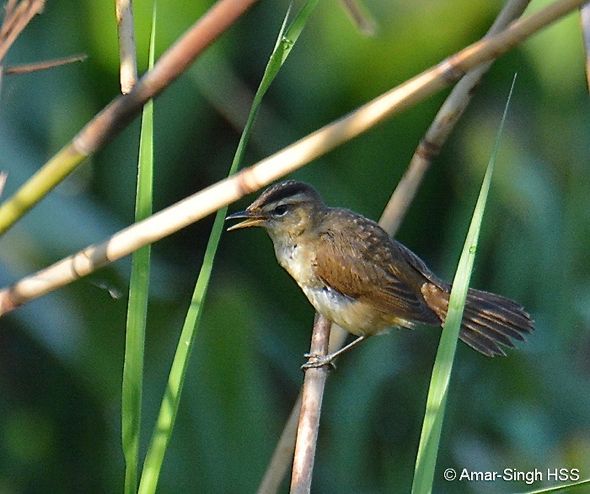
(581, 487)
(286, 39)
(441, 374)
(170, 402)
(138, 300)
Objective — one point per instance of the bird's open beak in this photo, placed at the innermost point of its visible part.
(252, 219)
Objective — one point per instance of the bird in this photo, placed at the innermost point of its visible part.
(359, 277)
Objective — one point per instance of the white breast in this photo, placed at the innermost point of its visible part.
(347, 312)
(297, 261)
(344, 311)
(329, 303)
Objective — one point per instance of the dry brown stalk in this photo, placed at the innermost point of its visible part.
(311, 407)
(16, 18)
(364, 22)
(3, 177)
(44, 65)
(124, 108)
(205, 202)
(442, 126)
(127, 51)
(282, 455)
(395, 211)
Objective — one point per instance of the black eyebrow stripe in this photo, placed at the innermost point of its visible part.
(288, 189)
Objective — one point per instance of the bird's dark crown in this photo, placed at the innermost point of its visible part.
(287, 192)
(283, 208)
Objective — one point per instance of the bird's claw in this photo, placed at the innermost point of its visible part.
(315, 361)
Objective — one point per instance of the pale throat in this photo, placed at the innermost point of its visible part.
(294, 254)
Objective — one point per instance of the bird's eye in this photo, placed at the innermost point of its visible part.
(280, 210)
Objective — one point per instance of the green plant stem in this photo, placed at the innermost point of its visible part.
(117, 114)
(138, 298)
(581, 487)
(171, 399)
(443, 365)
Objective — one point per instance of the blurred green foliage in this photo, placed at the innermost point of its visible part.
(61, 356)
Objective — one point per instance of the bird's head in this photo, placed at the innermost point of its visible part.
(288, 208)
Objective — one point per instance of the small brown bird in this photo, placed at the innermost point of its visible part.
(357, 276)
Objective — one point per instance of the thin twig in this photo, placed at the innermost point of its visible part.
(391, 218)
(442, 126)
(44, 65)
(127, 51)
(282, 456)
(311, 406)
(15, 20)
(585, 21)
(9, 7)
(115, 116)
(3, 177)
(205, 202)
(364, 22)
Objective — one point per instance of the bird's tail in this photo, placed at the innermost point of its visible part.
(490, 321)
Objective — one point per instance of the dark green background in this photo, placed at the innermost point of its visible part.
(61, 356)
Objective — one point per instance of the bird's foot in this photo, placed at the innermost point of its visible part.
(315, 361)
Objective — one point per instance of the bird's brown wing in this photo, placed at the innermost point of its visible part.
(362, 262)
(417, 264)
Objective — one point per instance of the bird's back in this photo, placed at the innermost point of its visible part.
(358, 259)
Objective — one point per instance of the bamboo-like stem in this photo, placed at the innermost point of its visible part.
(44, 65)
(390, 220)
(442, 126)
(205, 202)
(9, 7)
(283, 453)
(16, 18)
(127, 51)
(585, 21)
(311, 406)
(3, 177)
(117, 114)
(364, 22)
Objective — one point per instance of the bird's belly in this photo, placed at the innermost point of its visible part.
(357, 317)
(352, 315)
